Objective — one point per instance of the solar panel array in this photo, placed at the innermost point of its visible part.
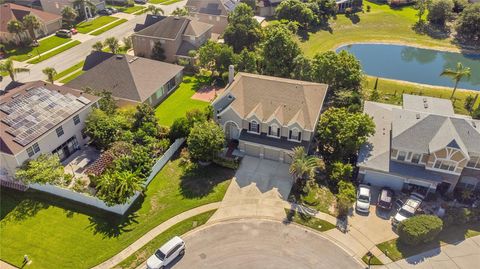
(36, 111)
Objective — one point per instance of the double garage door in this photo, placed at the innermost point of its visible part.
(268, 153)
(383, 180)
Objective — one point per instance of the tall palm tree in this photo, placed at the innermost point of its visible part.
(15, 27)
(31, 23)
(97, 46)
(112, 44)
(303, 166)
(7, 66)
(154, 10)
(50, 72)
(456, 75)
(127, 184)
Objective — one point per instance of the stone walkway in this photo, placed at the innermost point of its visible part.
(122, 255)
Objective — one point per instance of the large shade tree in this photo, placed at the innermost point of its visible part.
(439, 11)
(8, 67)
(468, 24)
(42, 170)
(295, 10)
(243, 30)
(205, 141)
(456, 75)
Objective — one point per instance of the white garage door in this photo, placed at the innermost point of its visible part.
(383, 180)
(272, 154)
(252, 150)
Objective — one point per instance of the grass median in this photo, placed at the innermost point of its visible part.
(89, 26)
(52, 53)
(22, 54)
(108, 27)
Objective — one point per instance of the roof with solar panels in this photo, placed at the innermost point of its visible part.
(33, 109)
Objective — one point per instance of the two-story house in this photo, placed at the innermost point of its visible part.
(213, 12)
(56, 6)
(177, 36)
(39, 117)
(422, 146)
(269, 116)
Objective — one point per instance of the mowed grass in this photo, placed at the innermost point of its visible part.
(180, 101)
(69, 70)
(381, 24)
(391, 92)
(164, 2)
(396, 250)
(373, 261)
(128, 10)
(140, 256)
(55, 233)
(110, 26)
(309, 221)
(72, 76)
(22, 54)
(88, 26)
(52, 53)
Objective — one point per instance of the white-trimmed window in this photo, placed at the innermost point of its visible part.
(295, 135)
(416, 158)
(59, 131)
(447, 165)
(254, 127)
(76, 119)
(33, 150)
(274, 130)
(474, 162)
(401, 155)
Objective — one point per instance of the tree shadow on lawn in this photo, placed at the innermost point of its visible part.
(198, 181)
(19, 206)
(433, 31)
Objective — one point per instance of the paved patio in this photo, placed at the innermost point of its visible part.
(260, 188)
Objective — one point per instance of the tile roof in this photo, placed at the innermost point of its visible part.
(10, 11)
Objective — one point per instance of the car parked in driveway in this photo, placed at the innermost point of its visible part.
(112, 9)
(166, 253)
(408, 209)
(142, 2)
(385, 199)
(363, 198)
(73, 31)
(63, 33)
(104, 12)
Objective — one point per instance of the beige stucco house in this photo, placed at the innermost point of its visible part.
(213, 12)
(56, 6)
(269, 116)
(177, 36)
(422, 145)
(40, 117)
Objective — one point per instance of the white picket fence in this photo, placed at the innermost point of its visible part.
(95, 202)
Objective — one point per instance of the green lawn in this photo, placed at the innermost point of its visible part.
(382, 23)
(373, 261)
(309, 221)
(88, 26)
(134, 260)
(72, 76)
(391, 92)
(46, 44)
(110, 26)
(55, 233)
(163, 2)
(69, 70)
(50, 54)
(396, 250)
(320, 198)
(128, 10)
(179, 102)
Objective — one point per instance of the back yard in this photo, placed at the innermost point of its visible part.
(55, 233)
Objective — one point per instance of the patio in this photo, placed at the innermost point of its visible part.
(77, 163)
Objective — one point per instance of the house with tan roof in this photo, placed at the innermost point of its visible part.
(422, 146)
(177, 36)
(269, 116)
(40, 117)
(49, 22)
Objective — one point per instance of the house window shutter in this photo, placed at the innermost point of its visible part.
(290, 134)
(269, 130)
(278, 132)
(249, 126)
(299, 136)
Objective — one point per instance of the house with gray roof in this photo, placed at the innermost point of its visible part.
(422, 145)
(177, 36)
(130, 79)
(269, 116)
(213, 12)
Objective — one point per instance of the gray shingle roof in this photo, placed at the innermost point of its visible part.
(212, 7)
(168, 28)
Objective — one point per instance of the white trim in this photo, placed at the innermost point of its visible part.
(277, 127)
(258, 125)
(294, 140)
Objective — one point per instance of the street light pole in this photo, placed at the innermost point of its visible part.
(370, 256)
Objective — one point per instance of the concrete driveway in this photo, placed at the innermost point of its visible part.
(260, 188)
(261, 244)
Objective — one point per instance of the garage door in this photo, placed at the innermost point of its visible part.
(272, 154)
(252, 150)
(383, 180)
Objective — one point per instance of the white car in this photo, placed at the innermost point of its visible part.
(363, 198)
(167, 253)
(408, 209)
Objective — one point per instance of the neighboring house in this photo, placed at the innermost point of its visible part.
(422, 146)
(214, 12)
(150, 19)
(342, 5)
(269, 116)
(49, 23)
(40, 117)
(56, 6)
(28, 3)
(400, 2)
(130, 79)
(177, 35)
(266, 8)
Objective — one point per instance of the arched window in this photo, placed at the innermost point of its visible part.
(274, 130)
(254, 127)
(295, 135)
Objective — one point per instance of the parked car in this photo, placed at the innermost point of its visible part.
(166, 253)
(73, 31)
(112, 9)
(142, 2)
(408, 209)
(385, 198)
(104, 12)
(363, 198)
(63, 33)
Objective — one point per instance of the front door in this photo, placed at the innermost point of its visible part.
(231, 131)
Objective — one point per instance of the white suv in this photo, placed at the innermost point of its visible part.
(363, 198)
(167, 253)
(408, 209)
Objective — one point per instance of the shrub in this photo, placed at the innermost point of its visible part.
(369, 8)
(456, 216)
(205, 140)
(345, 197)
(180, 128)
(340, 171)
(419, 229)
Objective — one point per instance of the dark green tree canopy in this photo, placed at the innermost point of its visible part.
(243, 31)
(42, 170)
(158, 53)
(440, 11)
(296, 10)
(468, 24)
(206, 139)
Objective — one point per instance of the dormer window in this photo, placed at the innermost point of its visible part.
(445, 165)
(274, 130)
(254, 127)
(295, 135)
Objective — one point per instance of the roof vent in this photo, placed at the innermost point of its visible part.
(29, 89)
(230, 97)
(133, 60)
(16, 95)
(474, 124)
(425, 100)
(119, 56)
(425, 105)
(417, 116)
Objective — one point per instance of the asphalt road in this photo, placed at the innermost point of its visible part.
(261, 244)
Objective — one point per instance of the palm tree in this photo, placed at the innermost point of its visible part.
(50, 72)
(112, 44)
(83, 5)
(303, 166)
(127, 43)
(456, 75)
(7, 66)
(15, 27)
(69, 15)
(118, 187)
(31, 23)
(97, 46)
(180, 12)
(127, 184)
(155, 10)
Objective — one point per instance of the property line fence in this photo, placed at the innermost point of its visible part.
(95, 202)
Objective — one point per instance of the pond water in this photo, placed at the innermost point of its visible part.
(414, 64)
